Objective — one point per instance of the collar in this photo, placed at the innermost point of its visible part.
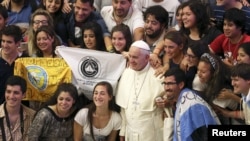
(145, 69)
(2, 113)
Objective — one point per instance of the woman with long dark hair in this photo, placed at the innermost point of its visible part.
(100, 120)
(54, 121)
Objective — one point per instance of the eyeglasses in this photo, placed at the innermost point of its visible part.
(168, 83)
(44, 22)
(190, 56)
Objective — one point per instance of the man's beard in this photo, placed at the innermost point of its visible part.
(157, 33)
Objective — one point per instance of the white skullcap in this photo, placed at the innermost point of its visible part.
(141, 44)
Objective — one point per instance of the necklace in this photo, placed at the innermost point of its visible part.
(9, 123)
(231, 53)
(135, 102)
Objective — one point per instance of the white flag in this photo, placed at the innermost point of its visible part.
(90, 67)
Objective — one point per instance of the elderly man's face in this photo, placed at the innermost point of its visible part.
(138, 58)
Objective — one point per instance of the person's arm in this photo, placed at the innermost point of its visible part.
(165, 66)
(155, 61)
(66, 6)
(138, 33)
(216, 45)
(228, 94)
(123, 125)
(71, 44)
(78, 132)
(6, 3)
(36, 128)
(231, 114)
(108, 43)
(245, 2)
(112, 136)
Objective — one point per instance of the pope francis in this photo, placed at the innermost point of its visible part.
(136, 93)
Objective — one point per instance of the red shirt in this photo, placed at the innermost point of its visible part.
(221, 44)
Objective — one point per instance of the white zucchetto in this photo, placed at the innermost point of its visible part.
(141, 44)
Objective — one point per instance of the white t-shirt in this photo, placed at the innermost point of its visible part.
(134, 18)
(169, 5)
(113, 124)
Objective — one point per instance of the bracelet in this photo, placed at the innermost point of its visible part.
(157, 53)
(157, 48)
(110, 48)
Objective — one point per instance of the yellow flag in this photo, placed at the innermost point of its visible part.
(42, 75)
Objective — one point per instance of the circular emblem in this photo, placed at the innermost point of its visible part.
(38, 77)
(89, 67)
(78, 32)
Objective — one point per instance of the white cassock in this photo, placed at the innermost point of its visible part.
(136, 93)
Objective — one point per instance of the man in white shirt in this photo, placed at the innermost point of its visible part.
(169, 5)
(122, 11)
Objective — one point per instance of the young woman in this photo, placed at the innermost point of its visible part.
(174, 51)
(196, 23)
(210, 70)
(38, 18)
(178, 18)
(190, 62)
(55, 120)
(121, 38)
(101, 120)
(244, 53)
(93, 37)
(211, 82)
(54, 7)
(45, 42)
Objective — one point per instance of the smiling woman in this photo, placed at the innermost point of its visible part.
(54, 8)
(45, 42)
(54, 121)
(92, 36)
(101, 120)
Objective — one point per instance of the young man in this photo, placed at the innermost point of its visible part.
(223, 5)
(11, 38)
(240, 77)
(193, 114)
(234, 35)
(19, 12)
(15, 118)
(84, 12)
(156, 24)
(169, 5)
(122, 11)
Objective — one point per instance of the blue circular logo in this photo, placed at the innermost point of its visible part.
(89, 67)
(38, 77)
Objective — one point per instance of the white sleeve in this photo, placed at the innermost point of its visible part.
(81, 116)
(117, 121)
